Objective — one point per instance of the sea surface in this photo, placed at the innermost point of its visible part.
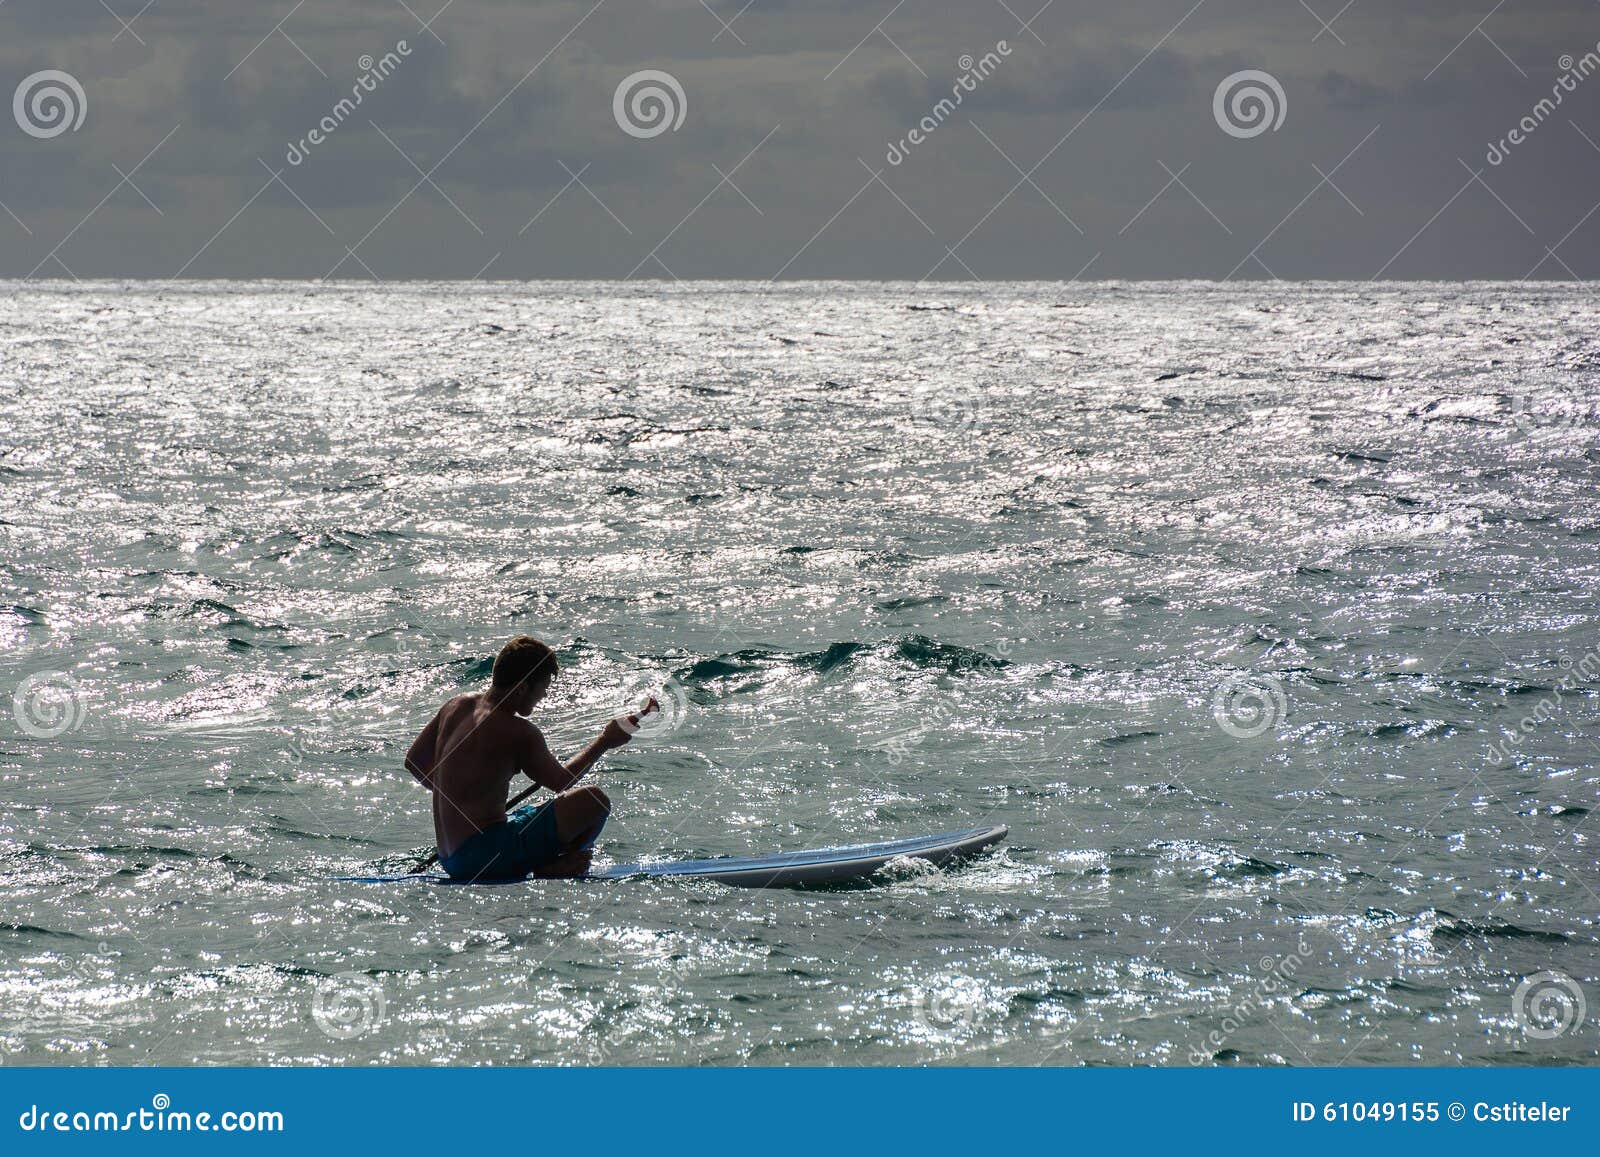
(1263, 614)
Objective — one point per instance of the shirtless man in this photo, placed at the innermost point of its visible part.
(472, 750)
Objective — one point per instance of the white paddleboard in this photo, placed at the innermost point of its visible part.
(819, 866)
(785, 869)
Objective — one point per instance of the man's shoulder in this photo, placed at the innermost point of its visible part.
(523, 727)
(507, 725)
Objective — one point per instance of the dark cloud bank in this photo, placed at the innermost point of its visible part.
(929, 139)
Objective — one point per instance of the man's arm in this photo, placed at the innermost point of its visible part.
(424, 754)
(541, 765)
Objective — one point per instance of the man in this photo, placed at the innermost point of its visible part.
(472, 750)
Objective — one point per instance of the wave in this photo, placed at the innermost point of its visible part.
(917, 652)
(38, 930)
(1218, 860)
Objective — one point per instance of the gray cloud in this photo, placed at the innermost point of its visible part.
(1113, 106)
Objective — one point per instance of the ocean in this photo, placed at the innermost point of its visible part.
(1263, 614)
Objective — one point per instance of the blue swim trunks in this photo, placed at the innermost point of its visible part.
(509, 850)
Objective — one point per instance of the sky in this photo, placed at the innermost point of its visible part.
(800, 139)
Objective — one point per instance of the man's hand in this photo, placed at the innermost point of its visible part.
(619, 731)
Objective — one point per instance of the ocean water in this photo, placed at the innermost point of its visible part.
(1265, 615)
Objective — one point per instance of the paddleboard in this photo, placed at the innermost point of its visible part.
(785, 869)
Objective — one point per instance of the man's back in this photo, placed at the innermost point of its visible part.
(478, 750)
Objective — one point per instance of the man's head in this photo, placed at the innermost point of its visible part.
(523, 671)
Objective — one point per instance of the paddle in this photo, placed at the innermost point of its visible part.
(630, 726)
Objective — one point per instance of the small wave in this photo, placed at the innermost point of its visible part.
(1422, 729)
(1451, 930)
(922, 651)
(1128, 737)
(918, 651)
(1219, 861)
(135, 850)
(835, 656)
(910, 602)
(38, 930)
(231, 790)
(1439, 930)
(906, 868)
(723, 666)
(279, 827)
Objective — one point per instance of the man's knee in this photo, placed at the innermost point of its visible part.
(580, 814)
(587, 807)
(594, 799)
